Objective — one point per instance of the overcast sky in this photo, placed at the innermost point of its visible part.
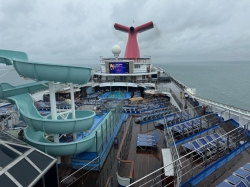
(71, 31)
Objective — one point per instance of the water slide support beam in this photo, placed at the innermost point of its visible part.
(56, 140)
(52, 98)
(72, 105)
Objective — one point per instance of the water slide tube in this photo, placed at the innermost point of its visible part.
(37, 124)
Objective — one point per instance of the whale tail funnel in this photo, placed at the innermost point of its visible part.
(132, 48)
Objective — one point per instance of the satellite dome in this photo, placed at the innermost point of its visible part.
(116, 50)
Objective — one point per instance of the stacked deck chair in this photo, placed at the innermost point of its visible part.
(205, 144)
(184, 116)
(182, 129)
(148, 141)
(185, 128)
(239, 178)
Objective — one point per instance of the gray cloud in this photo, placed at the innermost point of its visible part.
(78, 32)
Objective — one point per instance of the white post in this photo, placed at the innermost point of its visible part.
(52, 100)
(72, 105)
(72, 101)
(56, 140)
(53, 112)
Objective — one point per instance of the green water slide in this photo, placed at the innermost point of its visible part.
(7, 56)
(39, 125)
(83, 120)
(52, 72)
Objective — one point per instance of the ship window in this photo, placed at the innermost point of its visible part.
(137, 66)
(143, 76)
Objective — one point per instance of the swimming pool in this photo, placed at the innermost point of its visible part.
(116, 95)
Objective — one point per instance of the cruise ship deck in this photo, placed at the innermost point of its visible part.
(163, 139)
(146, 165)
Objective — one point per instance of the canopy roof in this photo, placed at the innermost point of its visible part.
(153, 92)
(19, 159)
(127, 84)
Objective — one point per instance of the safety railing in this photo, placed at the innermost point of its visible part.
(196, 165)
(136, 60)
(78, 175)
(198, 124)
(121, 160)
(10, 121)
(103, 136)
(107, 127)
(211, 102)
(175, 154)
(224, 106)
(4, 123)
(188, 165)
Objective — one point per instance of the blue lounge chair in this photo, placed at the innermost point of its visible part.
(198, 147)
(232, 181)
(179, 129)
(240, 178)
(148, 136)
(196, 122)
(148, 141)
(214, 140)
(193, 125)
(146, 144)
(224, 184)
(246, 167)
(236, 181)
(244, 175)
(211, 148)
(220, 138)
(194, 146)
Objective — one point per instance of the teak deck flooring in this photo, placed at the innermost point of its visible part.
(145, 161)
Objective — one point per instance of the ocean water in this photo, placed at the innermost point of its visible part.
(224, 82)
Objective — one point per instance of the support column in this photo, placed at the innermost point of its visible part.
(72, 101)
(72, 97)
(52, 98)
(53, 112)
(56, 140)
